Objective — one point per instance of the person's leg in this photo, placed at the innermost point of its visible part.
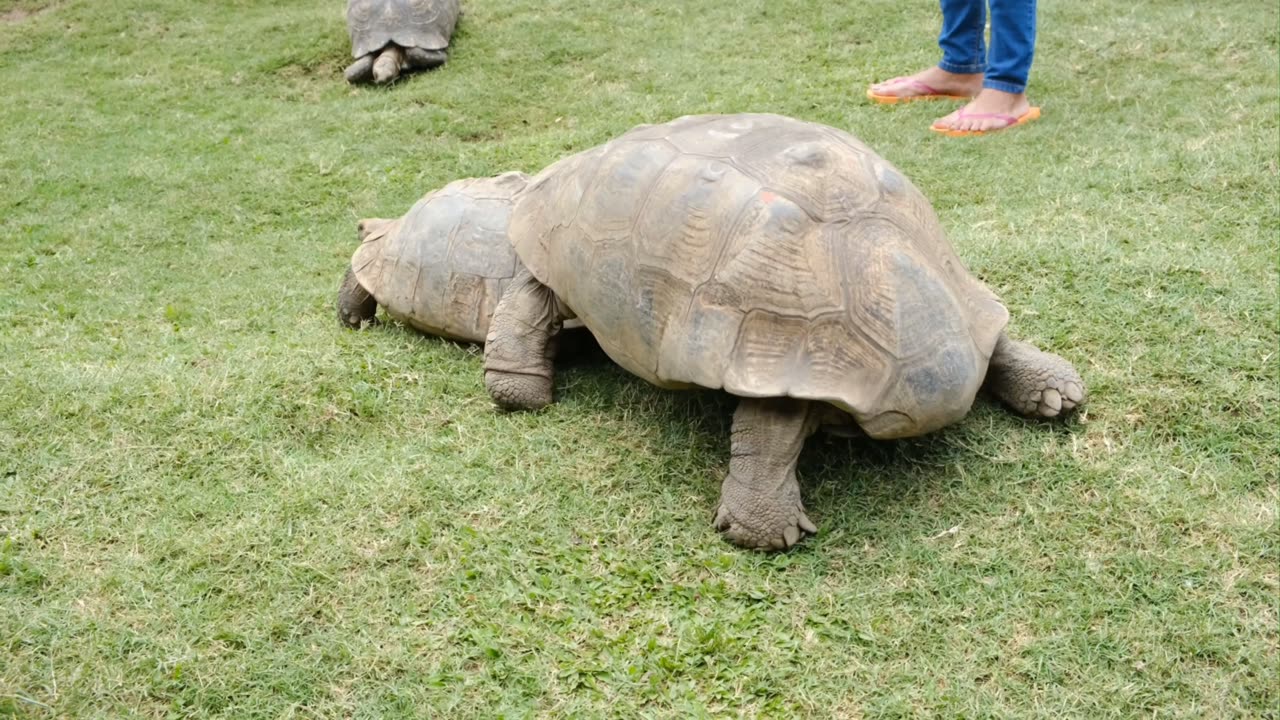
(964, 22)
(1013, 45)
(959, 74)
(1003, 98)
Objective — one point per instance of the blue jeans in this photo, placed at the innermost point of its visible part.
(1013, 41)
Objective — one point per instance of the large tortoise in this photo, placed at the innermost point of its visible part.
(388, 36)
(780, 260)
(441, 267)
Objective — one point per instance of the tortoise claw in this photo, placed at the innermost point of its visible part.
(763, 536)
(807, 525)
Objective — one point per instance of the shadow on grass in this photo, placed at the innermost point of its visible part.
(853, 487)
(850, 484)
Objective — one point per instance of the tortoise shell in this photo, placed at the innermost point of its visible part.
(769, 257)
(426, 24)
(442, 267)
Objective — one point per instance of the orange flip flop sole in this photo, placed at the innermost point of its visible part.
(1028, 116)
(895, 99)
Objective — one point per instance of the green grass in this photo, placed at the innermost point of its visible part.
(216, 503)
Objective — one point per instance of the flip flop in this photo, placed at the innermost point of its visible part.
(925, 93)
(1009, 121)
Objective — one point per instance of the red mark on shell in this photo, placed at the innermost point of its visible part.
(767, 196)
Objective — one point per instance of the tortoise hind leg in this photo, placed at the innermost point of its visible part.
(360, 71)
(420, 59)
(760, 503)
(1033, 382)
(518, 371)
(356, 307)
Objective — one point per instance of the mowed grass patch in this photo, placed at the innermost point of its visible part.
(216, 503)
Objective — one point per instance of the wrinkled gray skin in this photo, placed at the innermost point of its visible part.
(389, 37)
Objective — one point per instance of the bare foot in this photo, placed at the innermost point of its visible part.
(990, 110)
(931, 82)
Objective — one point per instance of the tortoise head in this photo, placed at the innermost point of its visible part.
(372, 227)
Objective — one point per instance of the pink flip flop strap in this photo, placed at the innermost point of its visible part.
(1008, 119)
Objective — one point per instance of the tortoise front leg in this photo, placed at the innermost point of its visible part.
(420, 59)
(356, 307)
(360, 71)
(760, 503)
(518, 371)
(1032, 381)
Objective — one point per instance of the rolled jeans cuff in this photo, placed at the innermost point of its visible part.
(1003, 86)
(969, 69)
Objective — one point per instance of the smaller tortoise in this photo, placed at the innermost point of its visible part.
(388, 36)
(441, 267)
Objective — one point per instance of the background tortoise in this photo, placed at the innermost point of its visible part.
(389, 35)
(781, 260)
(441, 267)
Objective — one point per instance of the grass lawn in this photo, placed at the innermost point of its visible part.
(214, 502)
